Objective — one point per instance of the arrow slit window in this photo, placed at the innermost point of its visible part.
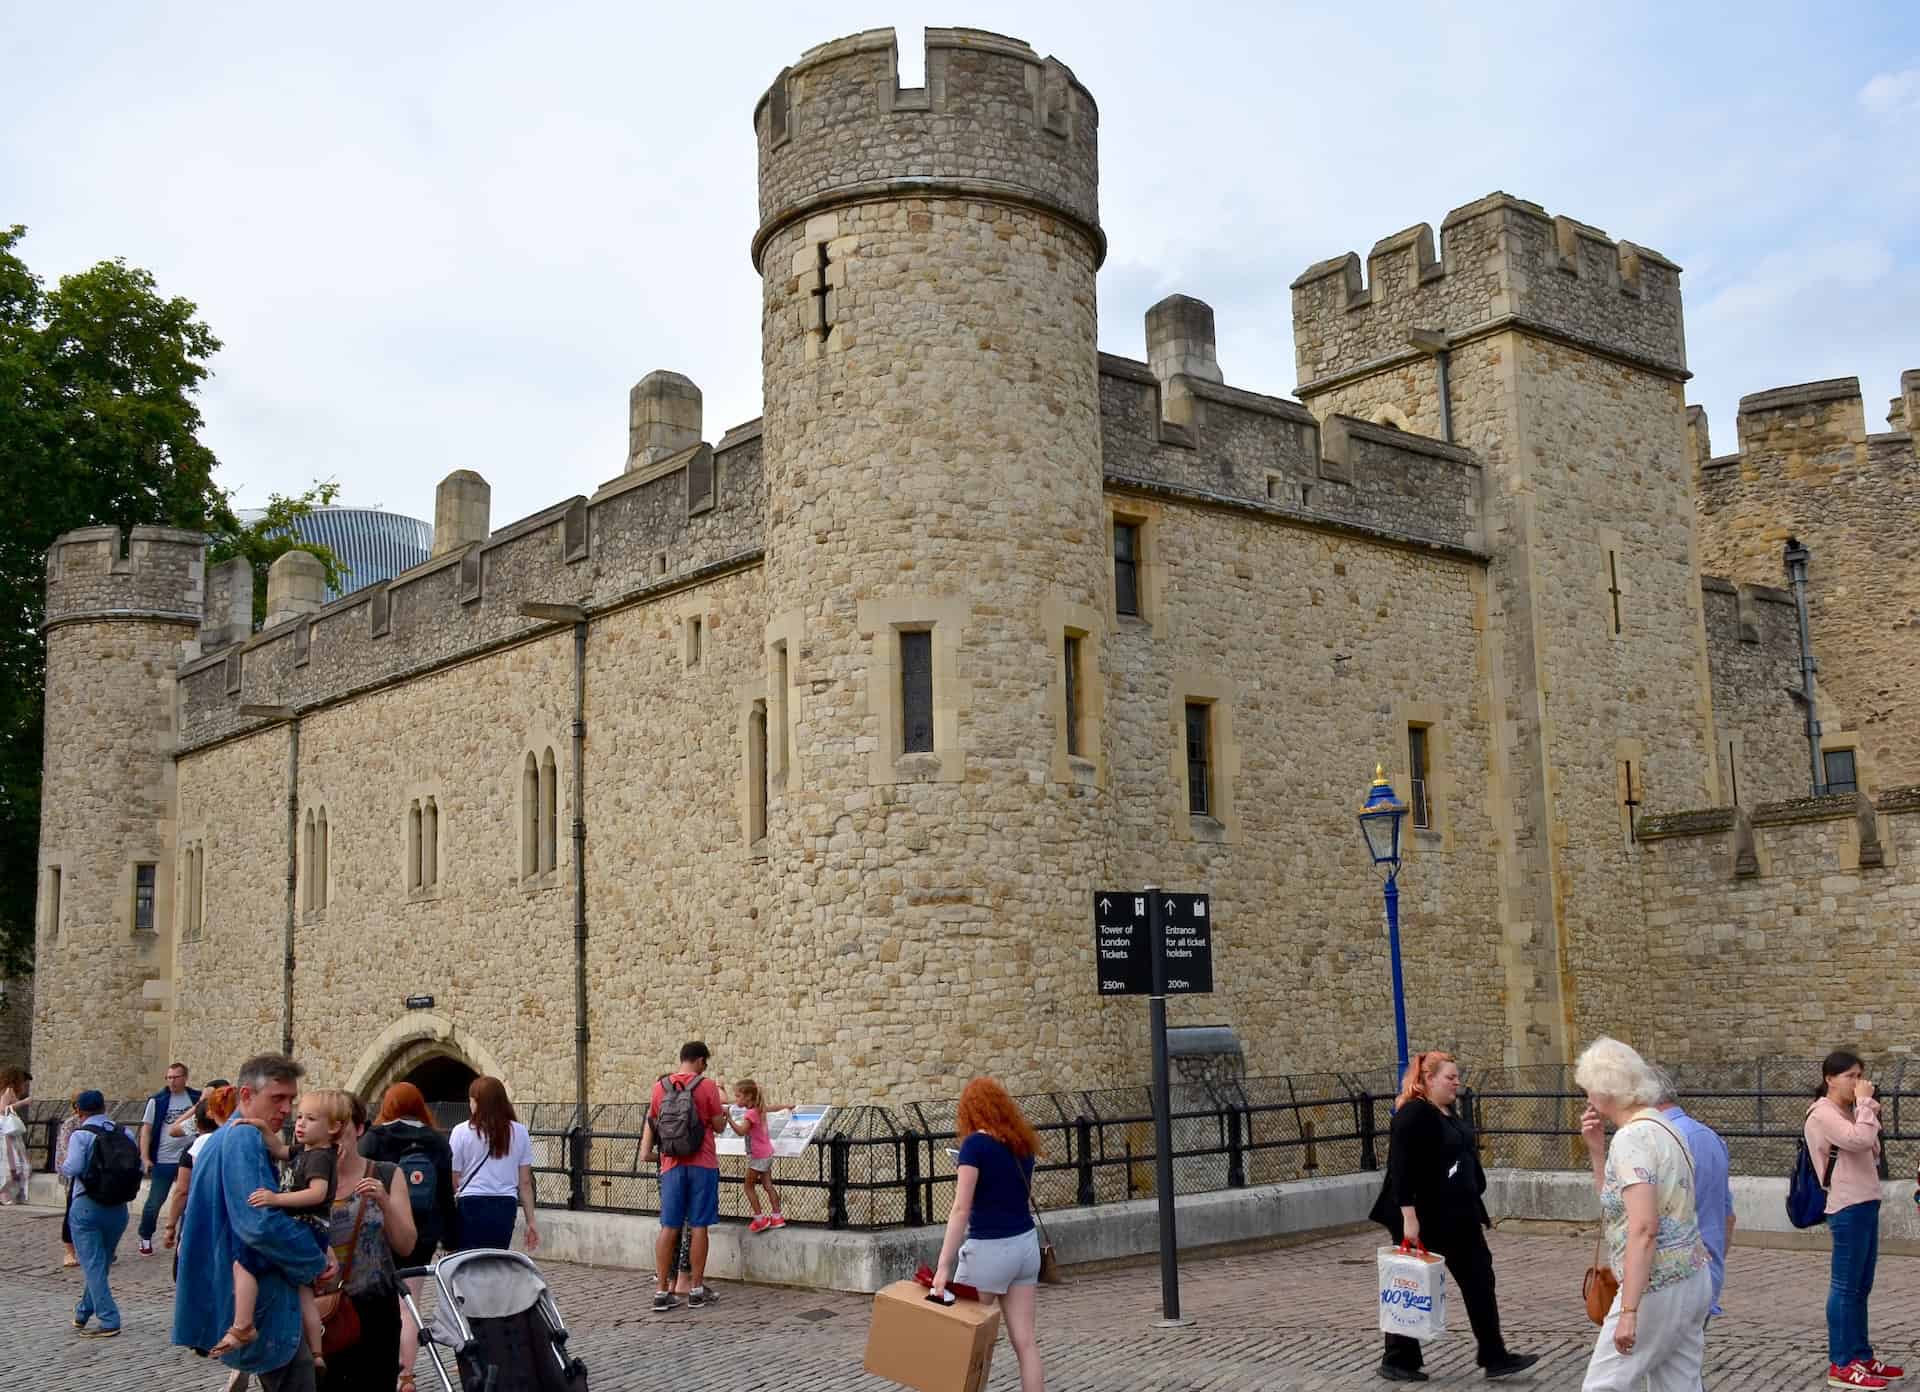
(1199, 758)
(916, 691)
(1419, 776)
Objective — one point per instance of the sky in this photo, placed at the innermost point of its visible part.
(437, 237)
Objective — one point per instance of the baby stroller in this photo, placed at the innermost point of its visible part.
(497, 1317)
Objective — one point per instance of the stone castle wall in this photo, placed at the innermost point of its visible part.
(1321, 650)
(1808, 467)
(1793, 952)
(1753, 646)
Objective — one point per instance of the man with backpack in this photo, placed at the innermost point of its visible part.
(105, 1166)
(685, 1112)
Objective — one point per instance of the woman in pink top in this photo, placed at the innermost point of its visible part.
(1846, 1120)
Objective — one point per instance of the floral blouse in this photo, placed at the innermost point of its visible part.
(1645, 1151)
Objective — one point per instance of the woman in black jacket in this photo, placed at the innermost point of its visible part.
(405, 1135)
(1432, 1196)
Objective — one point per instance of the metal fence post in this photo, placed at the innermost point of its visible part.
(837, 1167)
(577, 1148)
(1369, 1159)
(1236, 1152)
(1083, 1148)
(913, 1214)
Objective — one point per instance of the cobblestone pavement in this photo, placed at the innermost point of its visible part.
(1297, 1317)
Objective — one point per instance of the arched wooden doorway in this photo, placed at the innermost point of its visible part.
(443, 1080)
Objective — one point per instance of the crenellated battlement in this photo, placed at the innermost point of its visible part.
(994, 121)
(647, 532)
(1502, 262)
(1809, 434)
(102, 573)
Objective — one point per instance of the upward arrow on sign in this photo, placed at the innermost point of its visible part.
(1105, 904)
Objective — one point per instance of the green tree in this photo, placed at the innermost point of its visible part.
(98, 424)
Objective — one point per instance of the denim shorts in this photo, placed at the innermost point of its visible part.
(690, 1196)
(994, 1265)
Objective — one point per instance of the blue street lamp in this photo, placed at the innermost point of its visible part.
(1380, 818)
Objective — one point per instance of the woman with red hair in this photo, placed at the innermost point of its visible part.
(404, 1135)
(990, 1229)
(1432, 1196)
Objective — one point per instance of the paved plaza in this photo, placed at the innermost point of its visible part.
(1295, 1317)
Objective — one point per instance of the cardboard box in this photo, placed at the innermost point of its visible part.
(929, 1347)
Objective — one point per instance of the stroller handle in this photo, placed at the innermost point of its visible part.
(409, 1273)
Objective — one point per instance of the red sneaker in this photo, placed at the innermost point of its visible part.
(1883, 1370)
(774, 1220)
(759, 1224)
(1855, 1374)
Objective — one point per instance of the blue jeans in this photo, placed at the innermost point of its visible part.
(159, 1185)
(97, 1229)
(1856, 1249)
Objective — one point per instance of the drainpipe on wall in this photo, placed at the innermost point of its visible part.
(580, 1028)
(292, 720)
(1797, 558)
(577, 616)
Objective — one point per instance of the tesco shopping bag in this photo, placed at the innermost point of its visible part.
(1413, 1292)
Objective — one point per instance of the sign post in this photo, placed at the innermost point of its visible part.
(1156, 944)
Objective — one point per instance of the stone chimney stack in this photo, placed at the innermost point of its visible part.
(296, 585)
(1180, 340)
(461, 505)
(663, 418)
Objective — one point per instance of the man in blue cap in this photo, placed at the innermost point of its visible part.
(104, 1164)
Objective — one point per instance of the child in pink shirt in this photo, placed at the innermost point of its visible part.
(752, 1124)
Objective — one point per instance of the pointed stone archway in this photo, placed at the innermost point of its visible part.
(425, 1049)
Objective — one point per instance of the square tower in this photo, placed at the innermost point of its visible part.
(1558, 356)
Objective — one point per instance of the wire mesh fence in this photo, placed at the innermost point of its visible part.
(878, 1167)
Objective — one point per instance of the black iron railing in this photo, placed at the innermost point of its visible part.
(878, 1167)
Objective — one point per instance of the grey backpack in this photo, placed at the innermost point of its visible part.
(677, 1122)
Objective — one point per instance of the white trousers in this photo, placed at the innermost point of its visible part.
(1670, 1343)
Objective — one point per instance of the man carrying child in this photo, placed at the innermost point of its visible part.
(221, 1222)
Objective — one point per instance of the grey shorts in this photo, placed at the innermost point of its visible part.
(994, 1265)
(761, 1164)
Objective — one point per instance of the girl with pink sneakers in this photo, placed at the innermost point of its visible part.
(749, 1119)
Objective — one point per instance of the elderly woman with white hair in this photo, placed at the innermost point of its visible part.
(1655, 1333)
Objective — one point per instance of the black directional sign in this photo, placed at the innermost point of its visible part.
(1120, 942)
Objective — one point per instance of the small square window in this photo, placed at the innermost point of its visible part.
(1841, 771)
(1126, 567)
(143, 890)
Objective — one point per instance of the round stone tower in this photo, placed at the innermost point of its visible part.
(936, 561)
(116, 619)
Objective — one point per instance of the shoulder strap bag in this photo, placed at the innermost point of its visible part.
(1049, 1262)
(339, 1320)
(1599, 1287)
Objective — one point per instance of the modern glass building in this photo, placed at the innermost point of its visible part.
(373, 545)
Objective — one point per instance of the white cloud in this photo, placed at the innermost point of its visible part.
(1892, 94)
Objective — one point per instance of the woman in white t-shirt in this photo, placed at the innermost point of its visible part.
(492, 1169)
